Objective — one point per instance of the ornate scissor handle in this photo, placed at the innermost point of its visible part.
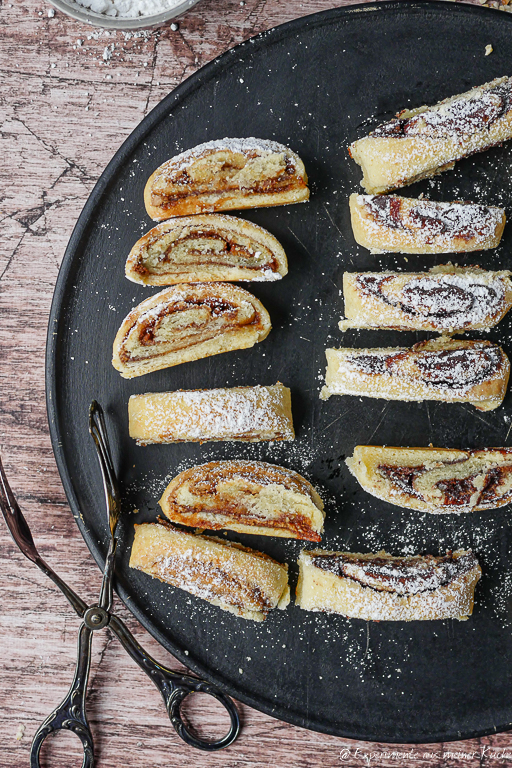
(70, 714)
(174, 688)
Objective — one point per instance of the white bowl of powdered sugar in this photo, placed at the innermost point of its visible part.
(123, 14)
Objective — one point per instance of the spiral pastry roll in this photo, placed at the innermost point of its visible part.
(404, 225)
(245, 496)
(237, 579)
(379, 587)
(423, 142)
(226, 175)
(187, 322)
(438, 480)
(250, 414)
(446, 299)
(452, 371)
(206, 248)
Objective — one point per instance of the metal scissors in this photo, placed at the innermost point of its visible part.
(71, 713)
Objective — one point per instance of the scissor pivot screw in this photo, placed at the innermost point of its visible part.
(96, 618)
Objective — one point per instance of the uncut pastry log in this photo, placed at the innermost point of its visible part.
(245, 496)
(207, 248)
(379, 587)
(237, 579)
(446, 299)
(443, 369)
(187, 322)
(224, 175)
(388, 223)
(423, 142)
(249, 414)
(437, 480)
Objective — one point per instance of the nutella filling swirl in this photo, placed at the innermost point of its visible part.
(445, 300)
(403, 576)
(459, 118)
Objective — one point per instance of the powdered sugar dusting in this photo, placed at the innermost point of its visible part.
(442, 301)
(449, 372)
(251, 144)
(240, 413)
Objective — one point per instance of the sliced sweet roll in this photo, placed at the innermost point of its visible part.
(423, 142)
(384, 223)
(245, 496)
(446, 299)
(225, 175)
(379, 587)
(438, 480)
(443, 369)
(187, 322)
(206, 248)
(243, 581)
(250, 414)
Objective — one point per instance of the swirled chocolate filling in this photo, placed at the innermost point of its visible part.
(216, 249)
(460, 492)
(409, 575)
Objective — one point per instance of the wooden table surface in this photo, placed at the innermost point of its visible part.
(70, 95)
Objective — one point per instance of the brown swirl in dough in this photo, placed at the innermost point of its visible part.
(284, 182)
(403, 575)
(457, 491)
(460, 118)
(465, 221)
(438, 303)
(461, 368)
(227, 247)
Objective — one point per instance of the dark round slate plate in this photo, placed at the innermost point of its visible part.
(315, 84)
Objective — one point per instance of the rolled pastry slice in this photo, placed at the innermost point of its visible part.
(444, 369)
(206, 248)
(384, 223)
(187, 322)
(435, 479)
(250, 414)
(245, 496)
(379, 587)
(446, 299)
(423, 142)
(243, 581)
(226, 175)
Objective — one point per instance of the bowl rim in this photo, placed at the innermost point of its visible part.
(87, 16)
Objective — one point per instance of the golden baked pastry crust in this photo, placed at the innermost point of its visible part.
(379, 587)
(388, 223)
(446, 299)
(437, 480)
(237, 579)
(224, 175)
(443, 369)
(206, 248)
(245, 496)
(187, 322)
(423, 142)
(249, 414)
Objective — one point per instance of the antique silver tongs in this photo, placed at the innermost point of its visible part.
(71, 714)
